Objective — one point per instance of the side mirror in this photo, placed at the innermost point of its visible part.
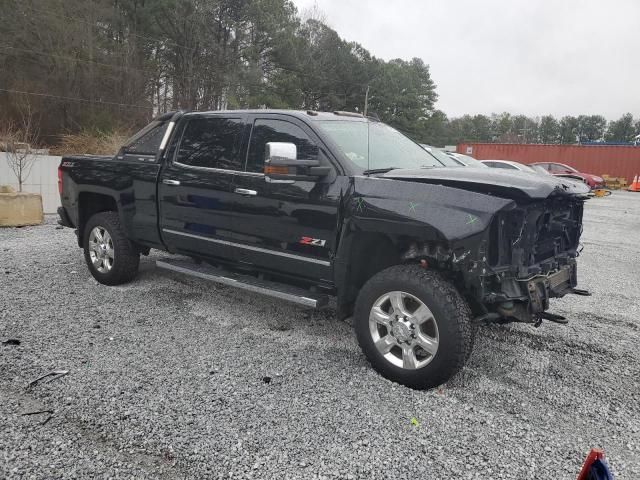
(282, 165)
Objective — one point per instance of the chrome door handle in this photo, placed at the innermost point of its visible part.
(244, 191)
(168, 181)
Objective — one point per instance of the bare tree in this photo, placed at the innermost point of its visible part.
(19, 141)
(314, 13)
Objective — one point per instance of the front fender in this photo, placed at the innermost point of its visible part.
(387, 222)
(428, 212)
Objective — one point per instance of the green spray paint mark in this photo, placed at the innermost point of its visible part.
(471, 219)
(412, 206)
(359, 204)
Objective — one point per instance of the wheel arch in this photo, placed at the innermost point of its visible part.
(90, 203)
(361, 256)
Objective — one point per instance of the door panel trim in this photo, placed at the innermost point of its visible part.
(248, 247)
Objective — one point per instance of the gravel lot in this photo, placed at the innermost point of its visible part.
(171, 377)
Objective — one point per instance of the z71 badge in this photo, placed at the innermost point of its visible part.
(312, 241)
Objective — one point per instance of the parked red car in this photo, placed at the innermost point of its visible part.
(562, 170)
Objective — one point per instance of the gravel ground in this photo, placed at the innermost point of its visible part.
(171, 377)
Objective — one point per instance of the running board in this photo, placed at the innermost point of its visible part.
(245, 282)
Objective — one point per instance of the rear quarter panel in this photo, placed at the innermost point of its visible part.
(131, 184)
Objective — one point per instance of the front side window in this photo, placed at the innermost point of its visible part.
(211, 143)
(265, 131)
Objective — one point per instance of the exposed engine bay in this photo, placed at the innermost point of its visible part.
(526, 257)
(532, 251)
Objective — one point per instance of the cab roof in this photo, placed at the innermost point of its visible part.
(305, 114)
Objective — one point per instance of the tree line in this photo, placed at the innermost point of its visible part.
(83, 66)
(106, 64)
(508, 128)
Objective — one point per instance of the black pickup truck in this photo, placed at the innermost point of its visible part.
(304, 206)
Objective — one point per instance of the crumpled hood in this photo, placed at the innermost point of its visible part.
(515, 185)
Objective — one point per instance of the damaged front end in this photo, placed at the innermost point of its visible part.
(509, 242)
(531, 258)
(532, 252)
(526, 257)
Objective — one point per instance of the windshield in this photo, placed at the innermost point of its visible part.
(374, 145)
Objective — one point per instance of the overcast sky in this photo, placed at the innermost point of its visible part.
(563, 57)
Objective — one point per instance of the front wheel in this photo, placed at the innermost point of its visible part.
(112, 259)
(413, 326)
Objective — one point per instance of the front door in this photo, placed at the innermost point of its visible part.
(195, 187)
(285, 227)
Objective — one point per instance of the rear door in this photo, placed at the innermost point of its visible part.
(135, 176)
(285, 227)
(196, 185)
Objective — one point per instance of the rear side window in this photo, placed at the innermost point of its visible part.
(211, 143)
(147, 141)
(265, 131)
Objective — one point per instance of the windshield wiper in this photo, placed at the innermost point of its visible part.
(379, 170)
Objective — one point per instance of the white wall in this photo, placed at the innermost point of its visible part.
(43, 179)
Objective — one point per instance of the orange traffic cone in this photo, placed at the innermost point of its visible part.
(635, 185)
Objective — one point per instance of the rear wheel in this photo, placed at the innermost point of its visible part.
(112, 259)
(413, 326)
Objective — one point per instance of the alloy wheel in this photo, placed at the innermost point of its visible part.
(404, 330)
(101, 249)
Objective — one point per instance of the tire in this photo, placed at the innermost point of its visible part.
(444, 328)
(119, 267)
